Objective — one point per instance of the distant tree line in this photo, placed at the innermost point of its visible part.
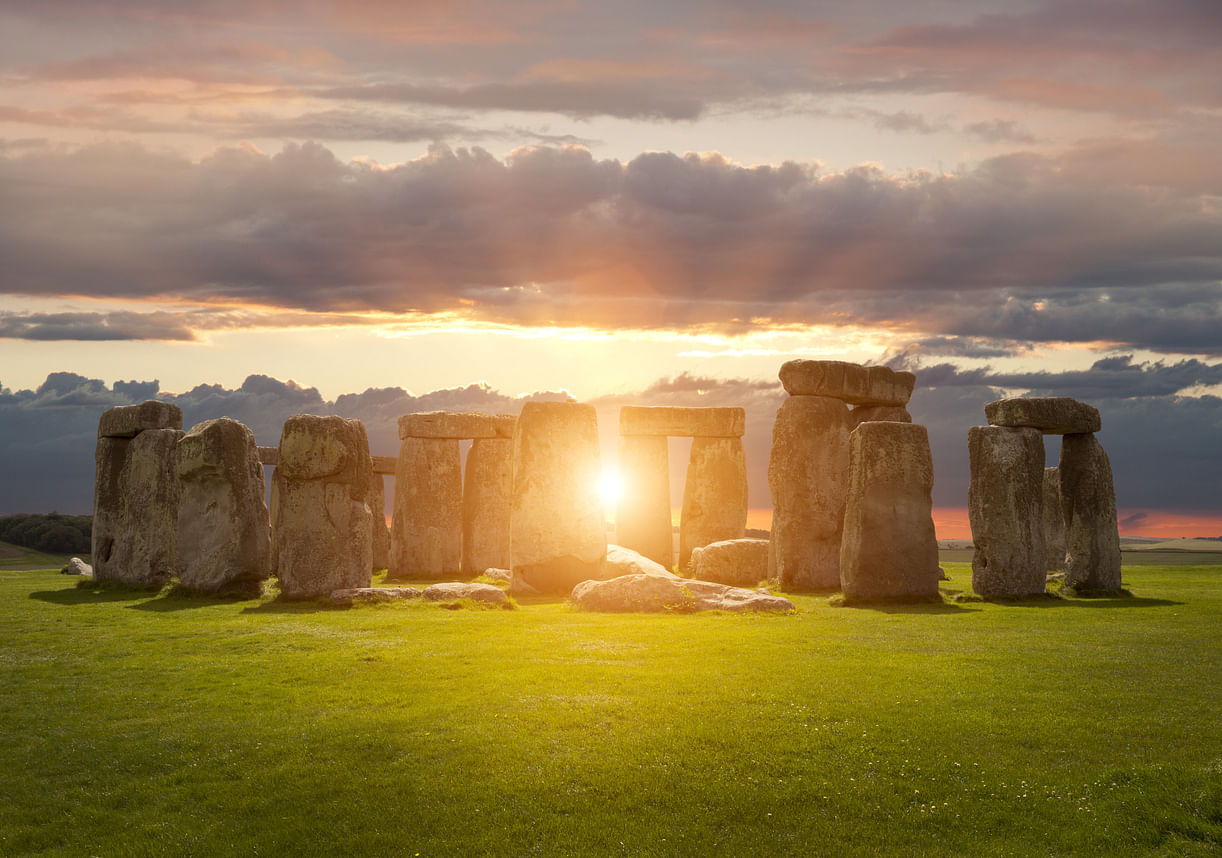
(50, 533)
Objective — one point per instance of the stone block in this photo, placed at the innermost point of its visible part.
(739, 562)
(1005, 506)
(714, 496)
(1054, 521)
(1088, 506)
(426, 541)
(848, 382)
(642, 516)
(808, 473)
(486, 500)
(682, 422)
(889, 549)
(654, 593)
(127, 421)
(380, 533)
(456, 425)
(1052, 415)
(880, 413)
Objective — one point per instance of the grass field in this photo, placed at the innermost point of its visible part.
(139, 724)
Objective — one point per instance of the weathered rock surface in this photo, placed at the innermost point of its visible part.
(375, 595)
(848, 382)
(880, 413)
(740, 562)
(77, 566)
(682, 422)
(135, 508)
(642, 516)
(1088, 505)
(808, 472)
(714, 496)
(889, 549)
(1054, 522)
(558, 534)
(624, 561)
(1052, 415)
(486, 500)
(380, 533)
(1005, 507)
(456, 425)
(654, 593)
(426, 538)
(128, 421)
(322, 521)
(224, 537)
(497, 574)
(453, 591)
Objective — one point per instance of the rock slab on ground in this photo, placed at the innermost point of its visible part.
(454, 590)
(848, 382)
(1005, 507)
(374, 595)
(1052, 415)
(889, 549)
(653, 593)
(738, 562)
(224, 537)
(77, 566)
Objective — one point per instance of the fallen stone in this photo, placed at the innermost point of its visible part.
(1088, 505)
(848, 382)
(456, 425)
(1054, 522)
(322, 523)
(808, 473)
(1052, 415)
(880, 413)
(374, 595)
(624, 561)
(682, 422)
(486, 500)
(889, 549)
(77, 566)
(654, 593)
(224, 536)
(135, 508)
(642, 514)
(127, 421)
(426, 539)
(453, 591)
(558, 533)
(740, 562)
(1005, 507)
(714, 496)
(497, 574)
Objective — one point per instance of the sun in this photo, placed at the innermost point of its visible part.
(610, 487)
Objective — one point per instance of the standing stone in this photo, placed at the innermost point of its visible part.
(224, 538)
(135, 506)
(427, 519)
(1005, 507)
(486, 499)
(1088, 504)
(380, 537)
(1054, 521)
(557, 524)
(714, 496)
(889, 549)
(642, 515)
(808, 472)
(322, 529)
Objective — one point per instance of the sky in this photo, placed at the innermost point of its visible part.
(374, 206)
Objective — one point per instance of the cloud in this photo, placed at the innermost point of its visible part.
(552, 236)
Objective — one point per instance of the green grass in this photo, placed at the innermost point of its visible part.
(18, 557)
(139, 724)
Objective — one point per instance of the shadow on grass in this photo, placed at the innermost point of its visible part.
(89, 596)
(1091, 602)
(176, 599)
(280, 605)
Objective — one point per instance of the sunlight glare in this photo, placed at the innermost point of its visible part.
(610, 487)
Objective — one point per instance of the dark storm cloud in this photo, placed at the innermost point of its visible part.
(1109, 378)
(1020, 248)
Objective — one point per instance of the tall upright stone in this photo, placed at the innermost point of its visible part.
(808, 472)
(322, 520)
(224, 538)
(1054, 521)
(1005, 506)
(380, 536)
(642, 515)
(558, 533)
(889, 550)
(135, 500)
(1088, 504)
(427, 520)
(486, 501)
(714, 496)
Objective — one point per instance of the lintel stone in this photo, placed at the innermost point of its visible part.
(1052, 415)
(848, 382)
(456, 425)
(680, 421)
(127, 421)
